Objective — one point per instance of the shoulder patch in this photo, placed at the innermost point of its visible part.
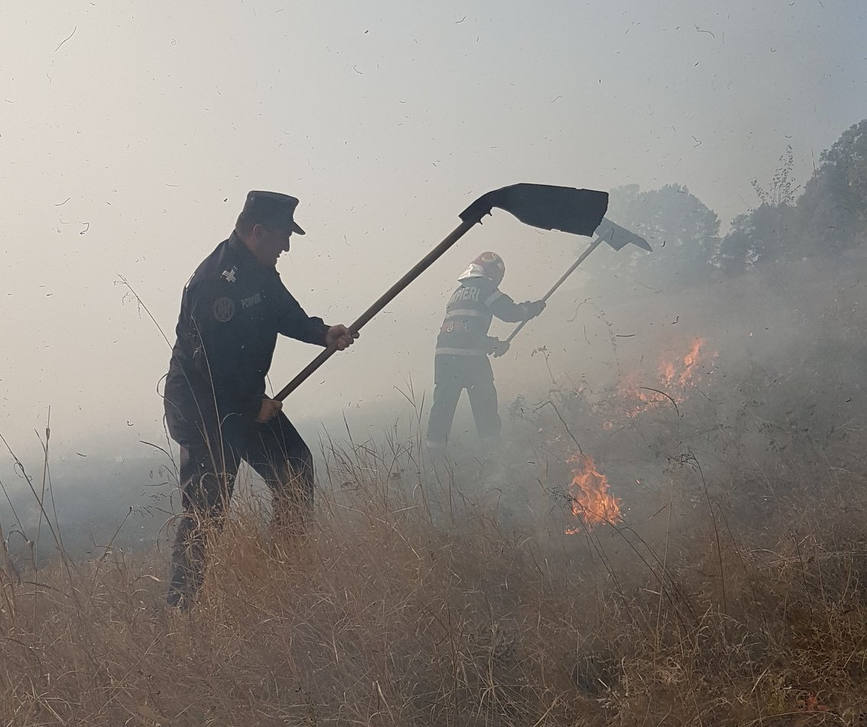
(224, 309)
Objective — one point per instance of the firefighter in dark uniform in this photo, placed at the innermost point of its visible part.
(463, 345)
(216, 408)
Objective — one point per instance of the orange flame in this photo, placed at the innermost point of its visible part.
(676, 379)
(588, 490)
(689, 363)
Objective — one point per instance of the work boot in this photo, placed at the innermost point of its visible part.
(188, 563)
(180, 601)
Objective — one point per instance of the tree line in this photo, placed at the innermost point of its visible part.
(825, 216)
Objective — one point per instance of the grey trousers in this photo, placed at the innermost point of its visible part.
(453, 374)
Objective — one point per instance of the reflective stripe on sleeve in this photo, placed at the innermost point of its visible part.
(465, 312)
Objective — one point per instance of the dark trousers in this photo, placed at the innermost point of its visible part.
(453, 374)
(209, 464)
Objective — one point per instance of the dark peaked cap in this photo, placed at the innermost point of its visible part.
(271, 208)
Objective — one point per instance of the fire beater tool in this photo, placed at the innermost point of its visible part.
(577, 211)
(616, 236)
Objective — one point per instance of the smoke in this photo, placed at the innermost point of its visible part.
(778, 381)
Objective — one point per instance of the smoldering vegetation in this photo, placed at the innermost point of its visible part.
(672, 531)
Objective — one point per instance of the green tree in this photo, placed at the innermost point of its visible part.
(833, 208)
(769, 232)
(757, 237)
(830, 215)
(682, 230)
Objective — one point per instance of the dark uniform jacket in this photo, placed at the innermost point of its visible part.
(232, 309)
(469, 312)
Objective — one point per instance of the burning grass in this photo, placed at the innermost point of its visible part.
(591, 502)
(714, 573)
(674, 381)
(433, 595)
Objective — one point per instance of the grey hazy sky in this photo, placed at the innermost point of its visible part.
(130, 132)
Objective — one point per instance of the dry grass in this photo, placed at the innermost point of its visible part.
(419, 598)
(734, 592)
